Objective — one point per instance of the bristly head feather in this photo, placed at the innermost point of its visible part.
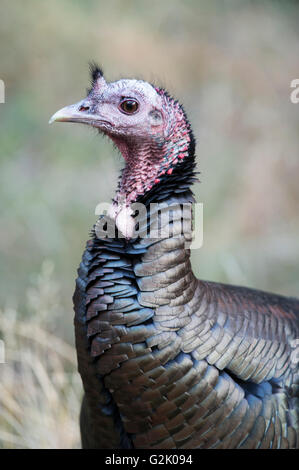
(95, 72)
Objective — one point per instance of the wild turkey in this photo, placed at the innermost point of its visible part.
(169, 361)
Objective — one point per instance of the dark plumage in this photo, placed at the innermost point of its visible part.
(167, 360)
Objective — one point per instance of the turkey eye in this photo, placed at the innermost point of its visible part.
(129, 106)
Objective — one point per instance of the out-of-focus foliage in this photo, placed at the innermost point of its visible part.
(39, 387)
(231, 64)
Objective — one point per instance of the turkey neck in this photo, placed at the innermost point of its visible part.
(165, 260)
(161, 286)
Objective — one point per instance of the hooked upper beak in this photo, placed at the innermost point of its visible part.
(72, 113)
(78, 112)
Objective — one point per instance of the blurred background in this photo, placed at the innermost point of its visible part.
(231, 64)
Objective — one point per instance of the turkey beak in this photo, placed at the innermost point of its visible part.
(73, 113)
(78, 112)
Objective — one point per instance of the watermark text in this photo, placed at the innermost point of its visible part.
(2, 91)
(155, 221)
(294, 96)
(2, 352)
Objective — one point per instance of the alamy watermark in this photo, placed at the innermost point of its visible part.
(2, 91)
(2, 351)
(156, 221)
(294, 96)
(295, 352)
